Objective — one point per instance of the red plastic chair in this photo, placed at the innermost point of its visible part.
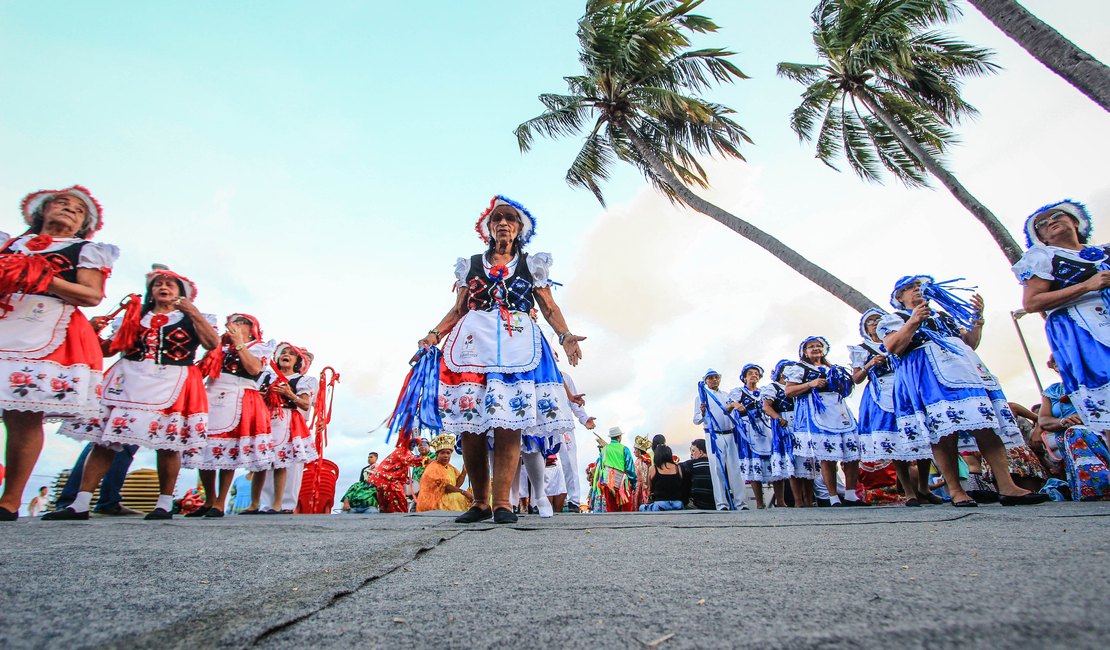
(318, 487)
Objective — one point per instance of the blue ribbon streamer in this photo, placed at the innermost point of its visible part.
(942, 294)
(418, 406)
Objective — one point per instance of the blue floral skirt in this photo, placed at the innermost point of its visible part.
(1084, 365)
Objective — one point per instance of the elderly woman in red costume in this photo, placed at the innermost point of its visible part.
(499, 383)
(154, 395)
(238, 420)
(48, 350)
(290, 398)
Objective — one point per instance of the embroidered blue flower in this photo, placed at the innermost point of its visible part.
(1092, 253)
(516, 403)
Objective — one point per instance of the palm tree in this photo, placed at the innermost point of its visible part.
(638, 92)
(887, 93)
(1089, 75)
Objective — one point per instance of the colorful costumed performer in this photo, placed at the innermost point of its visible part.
(616, 474)
(942, 388)
(238, 419)
(498, 380)
(289, 394)
(779, 410)
(720, 433)
(1083, 452)
(879, 434)
(641, 451)
(440, 485)
(48, 349)
(154, 395)
(823, 422)
(1068, 280)
(764, 453)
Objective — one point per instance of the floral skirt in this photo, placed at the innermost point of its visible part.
(880, 437)
(291, 439)
(178, 426)
(924, 404)
(61, 384)
(532, 402)
(249, 444)
(813, 415)
(1087, 460)
(1084, 365)
(776, 465)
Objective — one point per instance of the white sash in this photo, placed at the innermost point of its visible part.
(34, 328)
(480, 343)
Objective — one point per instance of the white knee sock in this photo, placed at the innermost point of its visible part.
(165, 502)
(851, 496)
(833, 499)
(81, 502)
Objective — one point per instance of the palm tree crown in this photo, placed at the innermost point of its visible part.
(885, 54)
(639, 79)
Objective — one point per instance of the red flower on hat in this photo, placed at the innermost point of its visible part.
(39, 243)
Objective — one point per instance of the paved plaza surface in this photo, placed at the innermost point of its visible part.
(930, 577)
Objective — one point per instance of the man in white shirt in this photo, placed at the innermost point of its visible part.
(568, 452)
(720, 436)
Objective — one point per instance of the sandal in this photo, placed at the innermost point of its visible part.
(213, 513)
(966, 503)
(912, 503)
(930, 498)
(251, 512)
(1029, 499)
(473, 516)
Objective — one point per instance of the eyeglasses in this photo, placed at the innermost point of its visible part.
(1044, 221)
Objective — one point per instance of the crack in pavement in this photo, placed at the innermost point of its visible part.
(488, 527)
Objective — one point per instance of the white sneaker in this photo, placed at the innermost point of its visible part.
(544, 506)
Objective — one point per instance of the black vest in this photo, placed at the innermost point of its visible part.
(285, 401)
(881, 369)
(175, 345)
(781, 403)
(518, 287)
(1067, 272)
(940, 323)
(233, 365)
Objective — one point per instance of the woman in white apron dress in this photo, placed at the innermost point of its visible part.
(880, 437)
(238, 420)
(154, 395)
(942, 388)
(49, 353)
(823, 422)
(499, 383)
(1069, 281)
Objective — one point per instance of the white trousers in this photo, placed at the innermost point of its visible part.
(293, 475)
(728, 454)
(568, 459)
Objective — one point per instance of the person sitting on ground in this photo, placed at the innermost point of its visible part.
(360, 498)
(698, 481)
(440, 482)
(665, 479)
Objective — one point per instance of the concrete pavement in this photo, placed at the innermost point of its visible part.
(931, 577)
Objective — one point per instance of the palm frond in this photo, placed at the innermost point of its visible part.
(591, 165)
(566, 119)
(805, 73)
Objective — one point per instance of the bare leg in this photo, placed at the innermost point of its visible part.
(798, 491)
(506, 455)
(226, 477)
(811, 499)
(905, 480)
(25, 437)
(828, 474)
(280, 474)
(780, 494)
(757, 490)
(994, 452)
(945, 454)
(169, 466)
(923, 476)
(475, 453)
(851, 476)
(208, 481)
(558, 501)
(258, 481)
(97, 464)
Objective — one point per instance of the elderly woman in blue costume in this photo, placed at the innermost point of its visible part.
(942, 389)
(880, 437)
(498, 378)
(823, 423)
(764, 457)
(1068, 280)
(779, 410)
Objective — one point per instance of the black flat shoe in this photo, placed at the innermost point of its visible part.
(67, 514)
(199, 512)
(473, 516)
(912, 503)
(8, 515)
(158, 513)
(213, 513)
(504, 516)
(250, 512)
(1030, 499)
(983, 496)
(966, 503)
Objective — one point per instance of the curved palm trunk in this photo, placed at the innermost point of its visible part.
(810, 271)
(1089, 75)
(1001, 235)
